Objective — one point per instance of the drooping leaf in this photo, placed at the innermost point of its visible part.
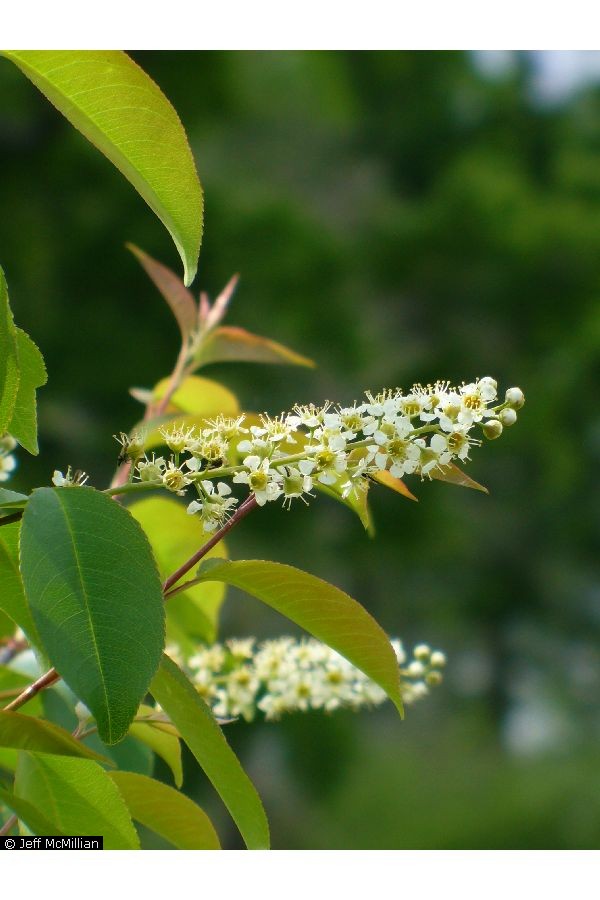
(230, 344)
(162, 739)
(12, 596)
(78, 797)
(174, 537)
(453, 475)
(169, 813)
(394, 484)
(198, 728)
(326, 612)
(26, 733)
(9, 359)
(200, 396)
(32, 375)
(35, 820)
(96, 599)
(12, 499)
(112, 101)
(180, 300)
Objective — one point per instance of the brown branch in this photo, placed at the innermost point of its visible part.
(44, 681)
(247, 506)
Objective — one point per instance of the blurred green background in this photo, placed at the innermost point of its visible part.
(399, 217)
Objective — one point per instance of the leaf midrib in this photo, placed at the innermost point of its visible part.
(88, 610)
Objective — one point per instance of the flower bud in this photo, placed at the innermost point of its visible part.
(422, 652)
(7, 443)
(492, 429)
(508, 416)
(515, 397)
(433, 678)
(438, 659)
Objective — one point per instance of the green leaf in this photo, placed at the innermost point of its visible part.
(323, 610)
(200, 396)
(198, 728)
(78, 796)
(12, 596)
(162, 738)
(30, 815)
(9, 359)
(451, 474)
(107, 97)
(231, 344)
(11, 499)
(26, 733)
(167, 812)
(96, 599)
(174, 537)
(180, 300)
(32, 371)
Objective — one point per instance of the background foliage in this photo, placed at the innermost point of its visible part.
(399, 217)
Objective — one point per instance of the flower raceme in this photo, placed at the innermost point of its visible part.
(285, 457)
(284, 675)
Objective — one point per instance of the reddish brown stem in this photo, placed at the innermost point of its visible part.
(242, 511)
(42, 682)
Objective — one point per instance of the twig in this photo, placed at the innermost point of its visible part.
(242, 511)
(10, 649)
(9, 825)
(44, 681)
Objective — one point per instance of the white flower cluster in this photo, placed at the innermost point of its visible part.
(284, 457)
(284, 675)
(8, 462)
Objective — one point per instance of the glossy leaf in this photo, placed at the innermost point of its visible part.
(231, 344)
(96, 599)
(180, 300)
(23, 732)
(78, 796)
(162, 739)
(35, 820)
(32, 375)
(9, 359)
(12, 499)
(451, 474)
(12, 596)
(174, 537)
(394, 484)
(198, 728)
(326, 612)
(169, 813)
(107, 97)
(200, 396)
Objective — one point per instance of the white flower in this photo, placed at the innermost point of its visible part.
(151, 469)
(261, 479)
(294, 484)
(214, 508)
(71, 479)
(284, 675)
(174, 480)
